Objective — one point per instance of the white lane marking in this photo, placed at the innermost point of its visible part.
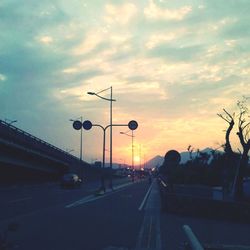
(81, 201)
(149, 237)
(145, 198)
(18, 200)
(90, 198)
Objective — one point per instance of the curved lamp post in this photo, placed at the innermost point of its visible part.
(87, 125)
(111, 100)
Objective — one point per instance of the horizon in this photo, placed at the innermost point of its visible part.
(172, 65)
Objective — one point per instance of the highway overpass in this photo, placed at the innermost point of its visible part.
(25, 157)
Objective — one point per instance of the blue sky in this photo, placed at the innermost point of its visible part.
(173, 66)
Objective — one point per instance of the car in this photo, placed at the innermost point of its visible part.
(71, 180)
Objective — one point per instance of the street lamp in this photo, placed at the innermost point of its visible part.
(132, 143)
(9, 122)
(87, 125)
(73, 120)
(111, 100)
(140, 154)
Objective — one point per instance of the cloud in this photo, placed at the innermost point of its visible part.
(120, 14)
(153, 12)
(46, 39)
(90, 42)
(157, 39)
(172, 66)
(98, 40)
(181, 53)
(2, 77)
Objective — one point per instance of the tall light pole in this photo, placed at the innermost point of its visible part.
(140, 154)
(111, 100)
(73, 120)
(87, 125)
(132, 145)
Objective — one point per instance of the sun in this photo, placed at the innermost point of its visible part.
(137, 158)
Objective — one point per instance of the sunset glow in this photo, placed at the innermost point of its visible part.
(137, 159)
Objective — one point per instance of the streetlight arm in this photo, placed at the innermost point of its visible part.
(93, 93)
(10, 122)
(124, 133)
(103, 90)
(104, 98)
(97, 94)
(100, 126)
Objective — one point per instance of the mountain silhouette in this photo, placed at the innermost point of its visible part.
(185, 156)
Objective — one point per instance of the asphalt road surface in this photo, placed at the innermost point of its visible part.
(24, 199)
(128, 218)
(53, 218)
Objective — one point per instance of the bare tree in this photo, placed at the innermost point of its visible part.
(204, 157)
(230, 120)
(244, 137)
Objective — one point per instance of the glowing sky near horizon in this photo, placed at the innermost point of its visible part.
(173, 66)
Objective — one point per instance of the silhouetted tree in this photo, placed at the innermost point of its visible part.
(243, 134)
(230, 120)
(190, 150)
(204, 158)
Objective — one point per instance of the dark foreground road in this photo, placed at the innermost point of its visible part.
(25, 199)
(80, 220)
(128, 218)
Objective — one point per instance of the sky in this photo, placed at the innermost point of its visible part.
(173, 65)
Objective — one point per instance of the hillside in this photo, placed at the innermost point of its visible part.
(158, 160)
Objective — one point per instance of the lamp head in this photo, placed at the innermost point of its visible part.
(91, 93)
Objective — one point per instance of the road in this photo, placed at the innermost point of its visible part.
(128, 218)
(53, 218)
(24, 199)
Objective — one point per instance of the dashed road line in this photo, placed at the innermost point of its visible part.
(149, 237)
(145, 198)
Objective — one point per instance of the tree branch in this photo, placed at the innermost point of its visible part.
(221, 116)
(230, 120)
(231, 116)
(241, 137)
(245, 126)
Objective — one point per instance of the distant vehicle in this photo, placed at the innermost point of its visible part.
(71, 181)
